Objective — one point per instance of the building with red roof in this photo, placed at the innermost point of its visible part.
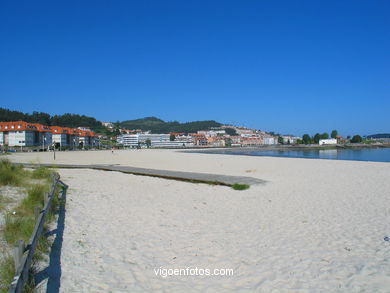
(20, 133)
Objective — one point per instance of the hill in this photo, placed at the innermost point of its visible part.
(156, 125)
(379, 135)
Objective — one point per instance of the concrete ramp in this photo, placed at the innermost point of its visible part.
(175, 175)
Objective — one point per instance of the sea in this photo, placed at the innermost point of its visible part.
(361, 154)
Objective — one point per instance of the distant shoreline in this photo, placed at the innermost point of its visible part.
(293, 147)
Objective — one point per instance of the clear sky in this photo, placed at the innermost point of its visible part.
(284, 66)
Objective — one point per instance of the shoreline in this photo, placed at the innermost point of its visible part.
(296, 147)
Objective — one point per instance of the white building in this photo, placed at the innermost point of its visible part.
(156, 140)
(269, 140)
(108, 124)
(329, 141)
(287, 139)
(212, 133)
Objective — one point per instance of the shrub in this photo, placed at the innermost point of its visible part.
(356, 139)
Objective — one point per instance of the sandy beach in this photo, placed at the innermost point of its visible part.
(314, 226)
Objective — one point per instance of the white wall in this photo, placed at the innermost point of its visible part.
(327, 141)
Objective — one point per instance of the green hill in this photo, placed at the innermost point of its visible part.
(379, 135)
(156, 125)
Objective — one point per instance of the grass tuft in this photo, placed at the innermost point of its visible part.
(7, 272)
(11, 174)
(34, 198)
(41, 173)
(17, 228)
(21, 224)
(238, 186)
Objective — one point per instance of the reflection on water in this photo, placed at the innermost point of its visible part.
(328, 154)
(377, 155)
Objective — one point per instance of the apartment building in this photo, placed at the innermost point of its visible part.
(86, 138)
(24, 134)
(20, 133)
(199, 139)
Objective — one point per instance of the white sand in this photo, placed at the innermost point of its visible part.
(316, 226)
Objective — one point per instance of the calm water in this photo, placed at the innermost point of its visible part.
(376, 155)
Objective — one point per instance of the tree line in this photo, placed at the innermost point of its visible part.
(65, 120)
(156, 125)
(307, 139)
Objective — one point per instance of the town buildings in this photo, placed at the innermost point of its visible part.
(289, 139)
(24, 134)
(215, 137)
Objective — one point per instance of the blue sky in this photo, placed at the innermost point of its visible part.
(285, 66)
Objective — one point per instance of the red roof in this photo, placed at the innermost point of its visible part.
(25, 126)
(18, 126)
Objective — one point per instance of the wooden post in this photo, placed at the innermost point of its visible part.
(46, 197)
(18, 253)
(37, 212)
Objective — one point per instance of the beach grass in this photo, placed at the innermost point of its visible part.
(238, 186)
(19, 223)
(41, 173)
(7, 271)
(11, 174)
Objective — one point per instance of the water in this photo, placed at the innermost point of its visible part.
(375, 154)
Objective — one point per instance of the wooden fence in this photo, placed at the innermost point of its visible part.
(23, 253)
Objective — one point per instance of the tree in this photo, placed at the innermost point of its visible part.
(334, 134)
(172, 137)
(280, 140)
(324, 136)
(317, 138)
(40, 117)
(306, 139)
(231, 131)
(356, 139)
(148, 143)
(228, 142)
